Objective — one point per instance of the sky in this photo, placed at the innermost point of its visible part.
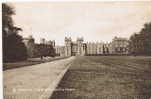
(94, 21)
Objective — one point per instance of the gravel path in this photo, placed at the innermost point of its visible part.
(34, 82)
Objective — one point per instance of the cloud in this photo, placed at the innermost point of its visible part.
(95, 21)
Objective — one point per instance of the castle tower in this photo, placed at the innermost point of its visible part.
(84, 52)
(51, 42)
(29, 40)
(30, 45)
(81, 48)
(68, 46)
(42, 41)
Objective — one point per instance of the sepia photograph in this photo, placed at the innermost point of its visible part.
(76, 50)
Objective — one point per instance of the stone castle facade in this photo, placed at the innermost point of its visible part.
(79, 48)
(74, 48)
(118, 46)
(32, 46)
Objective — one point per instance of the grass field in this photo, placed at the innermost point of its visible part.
(29, 62)
(106, 77)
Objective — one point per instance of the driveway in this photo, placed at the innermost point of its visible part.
(34, 82)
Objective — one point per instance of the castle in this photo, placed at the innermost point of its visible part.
(118, 46)
(32, 47)
(79, 48)
(75, 48)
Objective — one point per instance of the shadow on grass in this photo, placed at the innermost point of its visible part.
(30, 62)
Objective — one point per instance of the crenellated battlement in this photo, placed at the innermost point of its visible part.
(80, 39)
(117, 46)
(68, 39)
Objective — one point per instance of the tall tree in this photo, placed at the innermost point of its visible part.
(140, 43)
(13, 47)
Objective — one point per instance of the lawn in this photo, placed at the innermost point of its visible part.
(29, 62)
(106, 77)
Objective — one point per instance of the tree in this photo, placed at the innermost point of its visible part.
(13, 47)
(44, 50)
(140, 43)
(146, 34)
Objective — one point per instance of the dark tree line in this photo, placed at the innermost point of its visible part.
(140, 43)
(13, 47)
(43, 50)
(40, 50)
